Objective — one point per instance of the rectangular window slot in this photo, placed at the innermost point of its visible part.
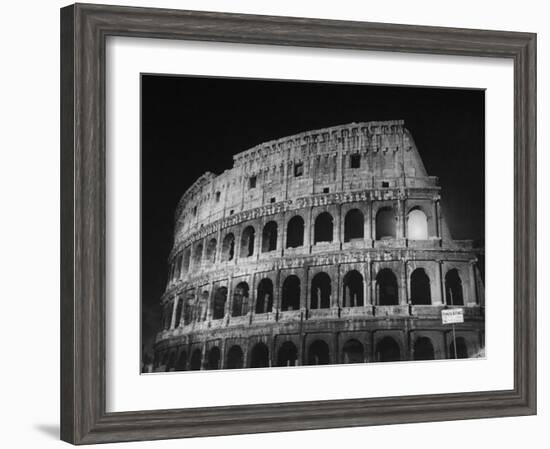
(355, 161)
(326, 190)
(298, 169)
(252, 182)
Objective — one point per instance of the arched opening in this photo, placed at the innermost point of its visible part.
(171, 365)
(213, 361)
(320, 291)
(291, 293)
(178, 266)
(461, 349)
(185, 262)
(453, 288)
(295, 232)
(318, 353)
(247, 242)
(179, 310)
(417, 225)
(228, 247)
(323, 228)
(269, 237)
(264, 298)
(197, 255)
(196, 357)
(354, 225)
(353, 289)
(423, 349)
(235, 357)
(387, 350)
(219, 303)
(259, 356)
(287, 355)
(187, 312)
(385, 224)
(386, 288)
(240, 299)
(182, 361)
(420, 288)
(353, 352)
(211, 251)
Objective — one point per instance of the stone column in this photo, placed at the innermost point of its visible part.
(277, 292)
(472, 297)
(435, 225)
(304, 290)
(403, 300)
(281, 236)
(373, 285)
(209, 306)
(338, 228)
(309, 230)
(219, 246)
(174, 308)
(229, 300)
(203, 358)
(336, 290)
(439, 298)
(222, 354)
(367, 298)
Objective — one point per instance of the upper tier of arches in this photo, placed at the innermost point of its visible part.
(351, 157)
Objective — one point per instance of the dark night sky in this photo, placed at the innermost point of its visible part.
(191, 125)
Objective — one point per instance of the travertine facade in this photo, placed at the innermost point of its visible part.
(324, 247)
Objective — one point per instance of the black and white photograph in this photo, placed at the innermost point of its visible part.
(292, 223)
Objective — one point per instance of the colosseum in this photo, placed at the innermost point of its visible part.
(324, 247)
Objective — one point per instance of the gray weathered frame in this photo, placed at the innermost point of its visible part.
(84, 29)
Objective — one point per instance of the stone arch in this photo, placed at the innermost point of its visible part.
(387, 350)
(352, 295)
(259, 356)
(291, 293)
(186, 260)
(354, 223)
(179, 310)
(287, 354)
(417, 224)
(240, 299)
(318, 353)
(453, 288)
(220, 297)
(420, 288)
(321, 291)
(228, 247)
(196, 359)
(353, 352)
(295, 232)
(269, 237)
(235, 358)
(182, 361)
(247, 241)
(386, 288)
(424, 349)
(385, 223)
(211, 250)
(197, 255)
(213, 359)
(171, 365)
(323, 230)
(264, 297)
(461, 348)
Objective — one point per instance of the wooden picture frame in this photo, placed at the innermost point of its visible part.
(84, 29)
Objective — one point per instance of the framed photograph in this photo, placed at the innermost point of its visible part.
(273, 223)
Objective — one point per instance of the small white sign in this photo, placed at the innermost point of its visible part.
(450, 316)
